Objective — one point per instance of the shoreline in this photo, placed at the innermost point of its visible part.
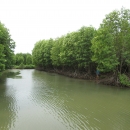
(104, 79)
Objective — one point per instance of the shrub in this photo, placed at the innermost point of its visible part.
(29, 66)
(124, 80)
(21, 66)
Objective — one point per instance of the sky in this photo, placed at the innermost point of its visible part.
(32, 20)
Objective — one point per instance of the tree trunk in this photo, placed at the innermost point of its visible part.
(116, 79)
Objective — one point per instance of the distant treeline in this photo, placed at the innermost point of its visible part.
(23, 61)
(106, 49)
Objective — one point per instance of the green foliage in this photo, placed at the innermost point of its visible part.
(24, 58)
(2, 60)
(7, 46)
(42, 53)
(111, 46)
(19, 59)
(47, 45)
(21, 66)
(83, 47)
(55, 51)
(124, 80)
(29, 66)
(37, 54)
(23, 61)
(69, 51)
(104, 51)
(28, 59)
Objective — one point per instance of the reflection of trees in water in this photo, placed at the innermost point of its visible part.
(7, 113)
(14, 75)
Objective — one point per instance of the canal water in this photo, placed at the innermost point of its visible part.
(35, 100)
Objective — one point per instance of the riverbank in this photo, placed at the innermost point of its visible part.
(22, 66)
(104, 78)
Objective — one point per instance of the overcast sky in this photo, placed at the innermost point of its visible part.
(32, 20)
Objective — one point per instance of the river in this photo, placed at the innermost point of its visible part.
(35, 100)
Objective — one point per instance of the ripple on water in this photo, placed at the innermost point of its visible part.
(53, 102)
(54, 105)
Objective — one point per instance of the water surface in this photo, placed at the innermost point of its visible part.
(37, 100)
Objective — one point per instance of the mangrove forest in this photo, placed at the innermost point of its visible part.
(82, 52)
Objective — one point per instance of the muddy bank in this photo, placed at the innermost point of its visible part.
(106, 79)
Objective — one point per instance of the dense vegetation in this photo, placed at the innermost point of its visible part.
(106, 49)
(7, 46)
(111, 46)
(67, 52)
(23, 61)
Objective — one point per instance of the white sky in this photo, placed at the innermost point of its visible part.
(32, 20)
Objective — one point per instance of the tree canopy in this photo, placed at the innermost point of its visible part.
(7, 46)
(71, 51)
(111, 44)
(23, 60)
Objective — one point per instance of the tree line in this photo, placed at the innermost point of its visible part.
(7, 46)
(106, 49)
(23, 61)
(71, 51)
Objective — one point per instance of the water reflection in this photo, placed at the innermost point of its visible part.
(7, 110)
(15, 74)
